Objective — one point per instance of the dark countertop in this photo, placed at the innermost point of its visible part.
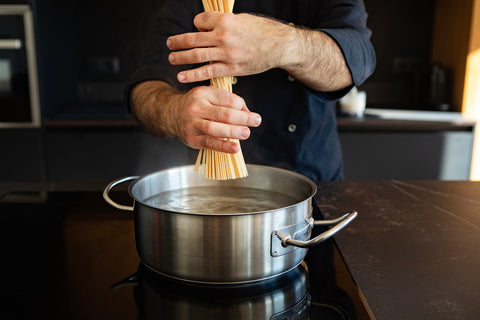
(414, 248)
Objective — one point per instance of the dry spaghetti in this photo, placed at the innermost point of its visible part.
(220, 165)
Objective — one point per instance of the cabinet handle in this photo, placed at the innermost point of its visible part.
(13, 44)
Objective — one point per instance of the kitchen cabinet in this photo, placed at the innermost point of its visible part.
(456, 44)
(438, 147)
(372, 148)
(86, 153)
(456, 29)
(388, 151)
(106, 153)
(21, 157)
(409, 155)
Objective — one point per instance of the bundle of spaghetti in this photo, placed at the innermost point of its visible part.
(220, 165)
(218, 5)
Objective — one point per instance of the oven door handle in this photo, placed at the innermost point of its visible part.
(10, 44)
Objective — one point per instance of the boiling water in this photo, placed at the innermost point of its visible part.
(217, 200)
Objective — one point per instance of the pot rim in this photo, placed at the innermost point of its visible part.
(279, 170)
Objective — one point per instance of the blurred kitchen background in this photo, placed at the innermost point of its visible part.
(63, 65)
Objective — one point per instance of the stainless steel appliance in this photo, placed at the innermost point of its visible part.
(19, 96)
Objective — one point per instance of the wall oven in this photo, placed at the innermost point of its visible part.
(19, 96)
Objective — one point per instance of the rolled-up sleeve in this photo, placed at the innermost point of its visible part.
(345, 21)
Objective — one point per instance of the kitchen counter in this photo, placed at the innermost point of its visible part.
(413, 249)
(415, 246)
(405, 120)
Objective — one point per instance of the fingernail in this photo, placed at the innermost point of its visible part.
(257, 120)
(171, 58)
(181, 77)
(234, 148)
(169, 43)
(245, 133)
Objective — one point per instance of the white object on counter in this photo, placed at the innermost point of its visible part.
(354, 102)
(417, 115)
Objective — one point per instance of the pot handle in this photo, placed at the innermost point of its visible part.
(340, 223)
(130, 281)
(110, 186)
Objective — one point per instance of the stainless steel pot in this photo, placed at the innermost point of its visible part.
(236, 246)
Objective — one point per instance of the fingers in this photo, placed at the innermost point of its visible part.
(205, 72)
(221, 145)
(189, 40)
(214, 45)
(232, 117)
(197, 55)
(213, 135)
(222, 130)
(222, 122)
(200, 55)
(205, 21)
(212, 115)
(223, 98)
(230, 109)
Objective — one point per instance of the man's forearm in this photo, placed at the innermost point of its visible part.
(315, 59)
(150, 102)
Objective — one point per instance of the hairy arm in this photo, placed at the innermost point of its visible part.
(316, 60)
(244, 44)
(147, 99)
(200, 118)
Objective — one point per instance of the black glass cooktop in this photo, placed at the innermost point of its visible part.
(68, 255)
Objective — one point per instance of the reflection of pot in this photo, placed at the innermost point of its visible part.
(241, 245)
(284, 297)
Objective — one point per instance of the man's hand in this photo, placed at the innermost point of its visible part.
(236, 45)
(200, 118)
(245, 44)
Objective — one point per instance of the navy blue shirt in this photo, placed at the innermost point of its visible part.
(298, 130)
